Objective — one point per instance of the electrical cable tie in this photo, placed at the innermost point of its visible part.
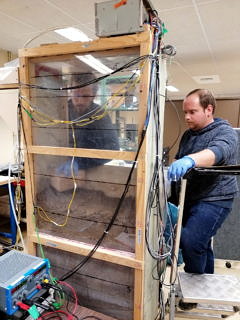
(57, 305)
(33, 311)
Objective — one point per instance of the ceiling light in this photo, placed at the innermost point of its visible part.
(8, 75)
(73, 34)
(207, 79)
(172, 89)
(94, 63)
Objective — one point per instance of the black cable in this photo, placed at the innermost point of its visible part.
(38, 304)
(82, 263)
(153, 201)
(105, 232)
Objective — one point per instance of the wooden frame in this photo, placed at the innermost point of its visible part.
(140, 257)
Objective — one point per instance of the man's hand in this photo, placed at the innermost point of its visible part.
(179, 167)
(64, 184)
(66, 169)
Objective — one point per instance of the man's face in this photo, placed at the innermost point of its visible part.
(196, 117)
(82, 97)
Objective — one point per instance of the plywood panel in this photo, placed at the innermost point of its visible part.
(229, 110)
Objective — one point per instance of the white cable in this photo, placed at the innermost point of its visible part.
(40, 34)
(13, 207)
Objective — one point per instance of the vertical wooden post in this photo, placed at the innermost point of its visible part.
(28, 157)
(145, 49)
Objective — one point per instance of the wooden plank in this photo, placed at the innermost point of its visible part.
(108, 53)
(78, 47)
(28, 159)
(141, 171)
(9, 86)
(113, 256)
(85, 153)
(141, 196)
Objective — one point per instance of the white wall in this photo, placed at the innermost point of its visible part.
(8, 126)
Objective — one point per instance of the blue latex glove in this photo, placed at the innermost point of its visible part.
(179, 167)
(65, 168)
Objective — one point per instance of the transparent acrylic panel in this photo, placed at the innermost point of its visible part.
(83, 214)
(96, 95)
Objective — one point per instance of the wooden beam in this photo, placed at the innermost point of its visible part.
(114, 256)
(133, 40)
(24, 75)
(99, 54)
(142, 177)
(9, 86)
(85, 153)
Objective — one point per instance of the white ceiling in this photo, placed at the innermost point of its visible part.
(206, 34)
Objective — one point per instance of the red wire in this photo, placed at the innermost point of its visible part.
(23, 306)
(69, 316)
(74, 294)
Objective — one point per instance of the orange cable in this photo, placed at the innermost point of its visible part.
(120, 3)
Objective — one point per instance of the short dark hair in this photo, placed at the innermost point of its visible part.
(84, 78)
(205, 97)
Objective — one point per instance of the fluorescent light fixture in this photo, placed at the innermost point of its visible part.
(172, 89)
(94, 63)
(213, 78)
(8, 75)
(73, 34)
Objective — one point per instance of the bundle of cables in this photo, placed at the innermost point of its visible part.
(58, 302)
